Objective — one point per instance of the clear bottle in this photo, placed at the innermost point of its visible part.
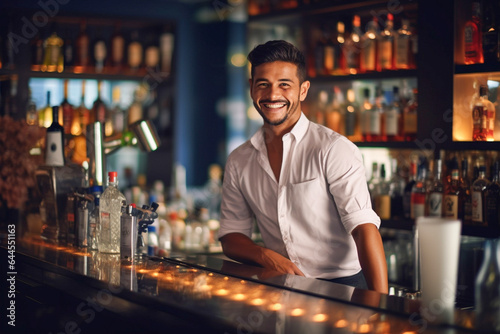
(352, 119)
(492, 199)
(338, 42)
(478, 190)
(385, 45)
(435, 200)
(369, 47)
(110, 205)
(31, 112)
(54, 151)
(473, 43)
(373, 182)
(165, 238)
(487, 289)
(402, 49)
(376, 131)
(152, 241)
(100, 53)
(365, 114)
(94, 218)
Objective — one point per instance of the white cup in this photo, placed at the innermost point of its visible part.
(439, 245)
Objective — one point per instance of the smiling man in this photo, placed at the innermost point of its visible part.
(302, 183)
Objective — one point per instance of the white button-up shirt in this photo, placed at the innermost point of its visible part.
(307, 216)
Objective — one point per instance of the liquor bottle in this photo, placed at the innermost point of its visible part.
(491, 38)
(376, 130)
(68, 52)
(369, 47)
(37, 52)
(418, 192)
(94, 218)
(45, 114)
(478, 190)
(396, 190)
(110, 205)
(408, 188)
(152, 55)
(166, 49)
(365, 114)
(81, 116)
(402, 48)
(382, 196)
(322, 104)
(435, 200)
(99, 109)
(31, 112)
(54, 154)
(487, 289)
(338, 42)
(82, 56)
(465, 195)
(116, 120)
(53, 57)
(473, 36)
(410, 118)
(334, 112)
(385, 45)
(100, 53)
(352, 121)
(328, 52)
(482, 112)
(352, 47)
(117, 49)
(67, 111)
(492, 198)
(319, 51)
(453, 207)
(393, 117)
(135, 52)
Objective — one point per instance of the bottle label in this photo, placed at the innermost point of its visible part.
(410, 123)
(54, 155)
(435, 204)
(329, 58)
(118, 46)
(492, 211)
(477, 207)
(385, 53)
(402, 52)
(417, 205)
(134, 54)
(451, 206)
(374, 122)
(368, 52)
(383, 206)
(391, 122)
(100, 51)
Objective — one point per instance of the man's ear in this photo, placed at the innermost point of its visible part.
(304, 88)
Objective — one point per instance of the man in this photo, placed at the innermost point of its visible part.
(303, 183)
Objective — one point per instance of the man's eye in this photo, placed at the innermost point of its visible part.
(262, 85)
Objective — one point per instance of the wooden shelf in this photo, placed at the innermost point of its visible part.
(365, 76)
(477, 68)
(468, 230)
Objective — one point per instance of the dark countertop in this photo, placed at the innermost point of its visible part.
(193, 292)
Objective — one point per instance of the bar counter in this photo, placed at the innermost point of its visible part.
(62, 289)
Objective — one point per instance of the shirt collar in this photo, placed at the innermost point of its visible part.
(298, 131)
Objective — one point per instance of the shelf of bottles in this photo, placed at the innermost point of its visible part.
(406, 184)
(476, 92)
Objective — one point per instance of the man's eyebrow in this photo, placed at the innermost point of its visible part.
(265, 80)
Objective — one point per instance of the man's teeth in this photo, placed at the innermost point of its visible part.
(274, 105)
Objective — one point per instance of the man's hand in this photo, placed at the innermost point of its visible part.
(241, 248)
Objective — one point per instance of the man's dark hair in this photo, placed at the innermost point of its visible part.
(278, 50)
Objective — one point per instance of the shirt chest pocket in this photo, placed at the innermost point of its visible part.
(303, 198)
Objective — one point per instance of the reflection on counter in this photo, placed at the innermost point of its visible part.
(247, 298)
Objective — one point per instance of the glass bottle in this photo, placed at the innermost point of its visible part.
(473, 43)
(365, 114)
(483, 112)
(376, 130)
(110, 205)
(82, 49)
(54, 154)
(68, 51)
(338, 43)
(53, 57)
(393, 117)
(94, 218)
(152, 55)
(382, 197)
(385, 45)
(100, 53)
(31, 112)
(166, 49)
(451, 200)
(67, 111)
(402, 50)
(435, 199)
(487, 289)
(369, 47)
(373, 182)
(334, 113)
(465, 196)
(408, 189)
(99, 109)
(117, 49)
(352, 126)
(352, 46)
(491, 38)
(492, 199)
(45, 114)
(418, 193)
(410, 118)
(396, 190)
(319, 51)
(135, 52)
(478, 190)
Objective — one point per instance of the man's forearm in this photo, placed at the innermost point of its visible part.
(241, 248)
(371, 256)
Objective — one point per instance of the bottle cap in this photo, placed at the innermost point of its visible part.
(112, 176)
(151, 228)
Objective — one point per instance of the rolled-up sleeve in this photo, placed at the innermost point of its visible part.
(236, 216)
(347, 183)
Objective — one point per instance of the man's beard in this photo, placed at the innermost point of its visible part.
(267, 120)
